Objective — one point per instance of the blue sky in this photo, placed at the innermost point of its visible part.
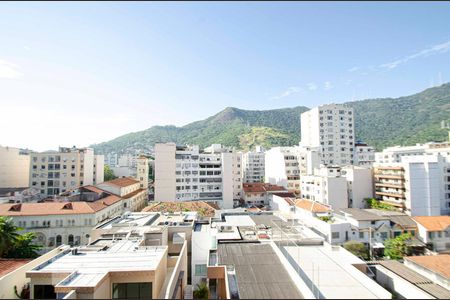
(80, 73)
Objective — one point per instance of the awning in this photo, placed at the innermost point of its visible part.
(377, 245)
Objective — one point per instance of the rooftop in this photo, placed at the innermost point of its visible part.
(260, 187)
(436, 263)
(122, 182)
(331, 269)
(416, 279)
(362, 214)
(88, 268)
(7, 265)
(259, 272)
(57, 208)
(433, 223)
(397, 217)
(204, 208)
(312, 206)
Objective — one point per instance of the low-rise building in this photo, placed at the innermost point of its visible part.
(122, 262)
(260, 193)
(434, 267)
(135, 197)
(434, 231)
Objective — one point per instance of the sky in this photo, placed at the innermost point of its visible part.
(79, 73)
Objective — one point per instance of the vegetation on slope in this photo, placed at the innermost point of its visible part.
(379, 122)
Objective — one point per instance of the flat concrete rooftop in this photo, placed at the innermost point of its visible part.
(259, 272)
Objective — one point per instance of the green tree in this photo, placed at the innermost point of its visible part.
(396, 248)
(8, 235)
(201, 291)
(374, 203)
(108, 174)
(15, 245)
(24, 247)
(358, 249)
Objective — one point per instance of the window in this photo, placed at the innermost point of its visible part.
(361, 235)
(383, 235)
(335, 235)
(58, 240)
(138, 290)
(200, 270)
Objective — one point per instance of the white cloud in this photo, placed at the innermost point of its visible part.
(436, 49)
(312, 86)
(328, 85)
(288, 92)
(26, 48)
(9, 70)
(354, 69)
(348, 82)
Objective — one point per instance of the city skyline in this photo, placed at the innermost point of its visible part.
(124, 67)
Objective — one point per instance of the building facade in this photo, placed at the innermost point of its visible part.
(364, 155)
(55, 172)
(186, 173)
(331, 129)
(253, 165)
(14, 168)
(418, 184)
(285, 165)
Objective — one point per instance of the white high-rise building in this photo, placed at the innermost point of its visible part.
(186, 173)
(253, 165)
(285, 165)
(55, 172)
(14, 168)
(331, 129)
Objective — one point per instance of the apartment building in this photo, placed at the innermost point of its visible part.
(142, 171)
(55, 172)
(364, 155)
(253, 165)
(418, 184)
(331, 129)
(187, 173)
(14, 167)
(285, 165)
(395, 154)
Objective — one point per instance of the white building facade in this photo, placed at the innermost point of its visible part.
(253, 165)
(331, 129)
(186, 173)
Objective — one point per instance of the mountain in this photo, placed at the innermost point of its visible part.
(379, 122)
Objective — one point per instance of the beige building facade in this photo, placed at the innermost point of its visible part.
(14, 168)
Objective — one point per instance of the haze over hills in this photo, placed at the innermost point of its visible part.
(379, 122)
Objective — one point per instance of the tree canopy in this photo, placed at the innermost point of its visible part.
(15, 245)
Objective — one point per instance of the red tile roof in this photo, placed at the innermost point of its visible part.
(122, 182)
(8, 265)
(312, 206)
(433, 223)
(436, 263)
(132, 194)
(259, 187)
(57, 208)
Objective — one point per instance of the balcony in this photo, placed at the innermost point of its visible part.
(389, 184)
(400, 195)
(390, 176)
